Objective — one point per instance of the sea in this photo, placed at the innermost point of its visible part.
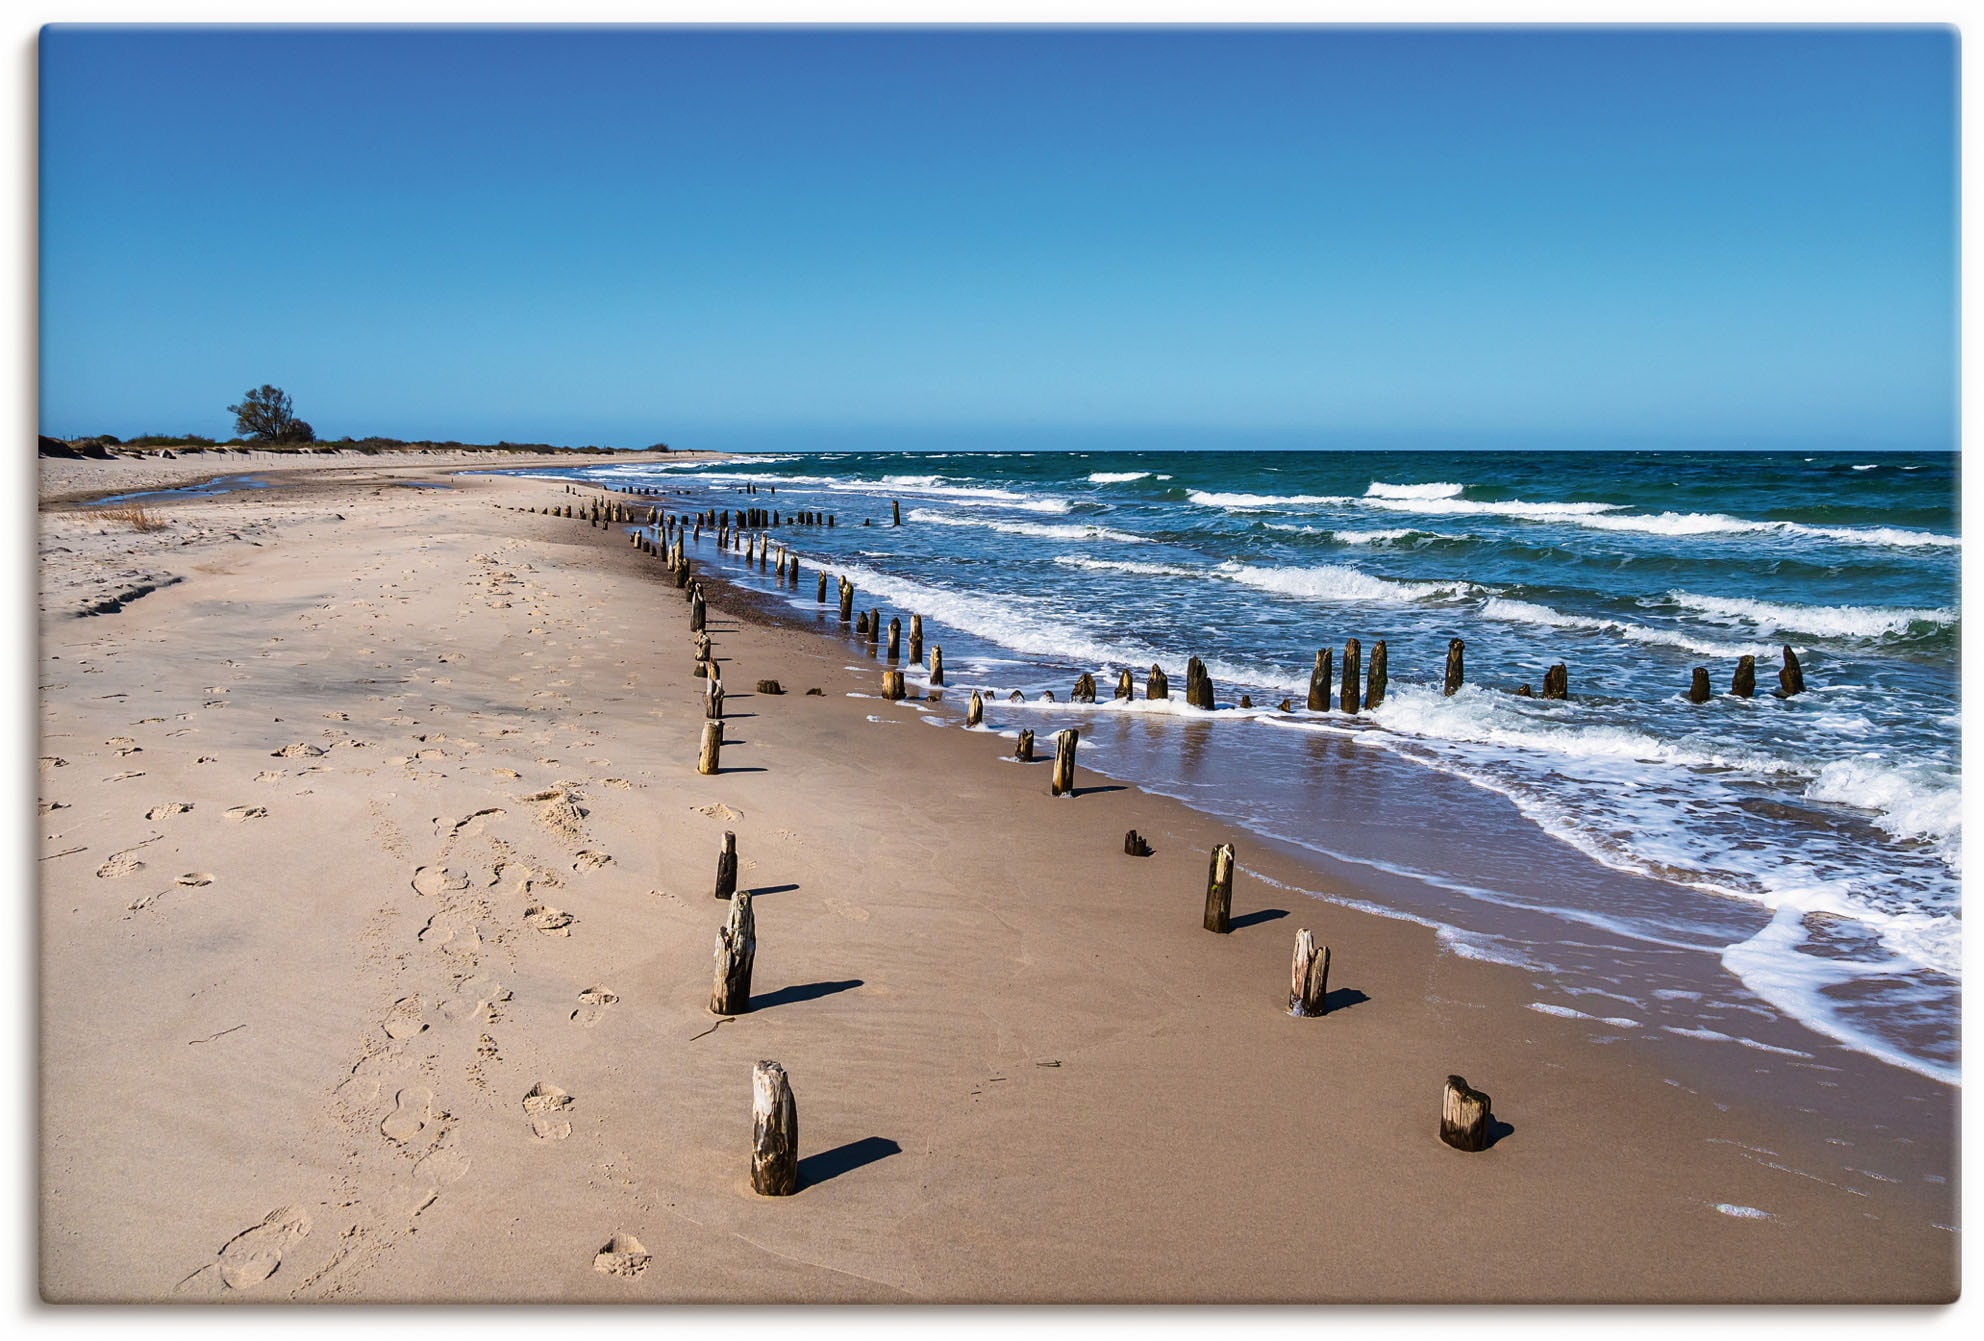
(1715, 871)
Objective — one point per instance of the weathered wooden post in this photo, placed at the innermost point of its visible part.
(1698, 690)
(1198, 684)
(1126, 687)
(1134, 845)
(713, 701)
(1063, 782)
(874, 629)
(1219, 890)
(774, 1132)
(1025, 751)
(860, 623)
(896, 509)
(1744, 684)
(821, 596)
(1374, 693)
(706, 762)
(1791, 679)
(892, 686)
(736, 947)
(1557, 682)
(1455, 652)
(974, 713)
(1156, 686)
(1309, 977)
(769, 687)
(916, 640)
(726, 867)
(1353, 656)
(937, 666)
(1084, 689)
(895, 637)
(846, 599)
(698, 614)
(1464, 1116)
(1320, 679)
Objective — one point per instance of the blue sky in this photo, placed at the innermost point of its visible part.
(901, 237)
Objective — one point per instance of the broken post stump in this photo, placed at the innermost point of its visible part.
(726, 867)
(736, 947)
(706, 762)
(1353, 671)
(1219, 890)
(892, 688)
(1309, 976)
(1198, 684)
(1698, 690)
(774, 1132)
(713, 701)
(1455, 667)
(1063, 782)
(1134, 845)
(974, 713)
(1126, 687)
(1556, 682)
(1025, 751)
(1464, 1116)
(769, 687)
(1374, 692)
(1156, 686)
(861, 624)
(1319, 682)
(1744, 683)
(1084, 691)
(1791, 679)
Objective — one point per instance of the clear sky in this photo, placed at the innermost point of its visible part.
(774, 237)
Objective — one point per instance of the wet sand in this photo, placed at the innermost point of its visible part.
(375, 962)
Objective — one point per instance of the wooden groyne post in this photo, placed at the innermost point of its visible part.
(1698, 690)
(1353, 671)
(726, 867)
(1744, 683)
(1198, 684)
(774, 1132)
(1063, 781)
(1374, 693)
(974, 713)
(846, 599)
(1456, 669)
(1791, 679)
(895, 638)
(1319, 682)
(916, 640)
(892, 686)
(1126, 686)
(1309, 976)
(822, 596)
(937, 666)
(1557, 682)
(1156, 686)
(1024, 753)
(706, 761)
(1464, 1116)
(1219, 890)
(736, 947)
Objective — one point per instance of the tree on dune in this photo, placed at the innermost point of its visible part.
(267, 414)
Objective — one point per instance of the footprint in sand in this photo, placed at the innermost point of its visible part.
(623, 1255)
(550, 921)
(470, 825)
(300, 750)
(544, 1105)
(169, 808)
(589, 860)
(720, 811)
(241, 813)
(253, 1255)
(593, 1002)
(431, 880)
(452, 931)
(440, 1166)
(123, 863)
(403, 1020)
(413, 1109)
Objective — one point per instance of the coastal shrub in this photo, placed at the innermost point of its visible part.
(134, 515)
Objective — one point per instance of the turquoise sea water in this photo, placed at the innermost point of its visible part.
(1808, 846)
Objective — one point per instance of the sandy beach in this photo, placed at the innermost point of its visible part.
(375, 961)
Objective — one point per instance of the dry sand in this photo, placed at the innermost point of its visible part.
(375, 935)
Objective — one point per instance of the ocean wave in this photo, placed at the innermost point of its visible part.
(1117, 476)
(1037, 530)
(925, 486)
(1911, 801)
(1511, 611)
(1617, 517)
(1052, 506)
(1825, 621)
(1378, 537)
(1379, 489)
(1333, 582)
(1262, 502)
(1125, 566)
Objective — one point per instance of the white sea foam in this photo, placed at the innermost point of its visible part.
(1125, 566)
(1826, 621)
(1514, 611)
(1333, 582)
(1048, 505)
(1117, 476)
(1262, 502)
(1910, 801)
(1616, 517)
(1374, 537)
(1038, 530)
(1382, 490)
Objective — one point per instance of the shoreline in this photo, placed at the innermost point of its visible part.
(999, 932)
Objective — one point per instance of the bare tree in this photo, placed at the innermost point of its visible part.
(267, 414)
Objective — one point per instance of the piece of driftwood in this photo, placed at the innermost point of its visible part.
(774, 1132)
(892, 686)
(1791, 679)
(1219, 890)
(1374, 692)
(1464, 1116)
(1319, 681)
(1156, 686)
(1024, 752)
(1353, 672)
(706, 761)
(736, 946)
(1744, 683)
(1309, 976)
(1134, 845)
(974, 713)
(1063, 781)
(726, 867)
(1456, 667)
